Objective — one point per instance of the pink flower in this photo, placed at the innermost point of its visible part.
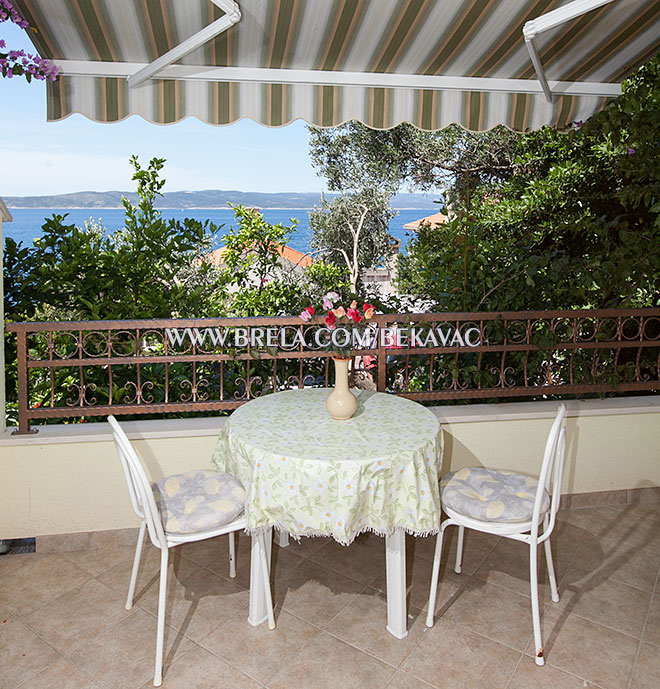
(339, 312)
(353, 304)
(368, 310)
(327, 304)
(307, 313)
(330, 320)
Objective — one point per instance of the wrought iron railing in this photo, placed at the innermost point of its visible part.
(95, 368)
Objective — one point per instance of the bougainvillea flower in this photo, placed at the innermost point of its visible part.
(327, 304)
(369, 310)
(354, 315)
(307, 313)
(330, 320)
(354, 304)
(339, 312)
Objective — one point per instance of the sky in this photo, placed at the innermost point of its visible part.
(42, 158)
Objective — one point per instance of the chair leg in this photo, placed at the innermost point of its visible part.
(136, 565)
(551, 572)
(459, 549)
(266, 580)
(162, 594)
(534, 589)
(232, 555)
(434, 576)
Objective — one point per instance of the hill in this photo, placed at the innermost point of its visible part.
(210, 198)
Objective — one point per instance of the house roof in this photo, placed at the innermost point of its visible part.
(434, 221)
(523, 63)
(296, 257)
(5, 215)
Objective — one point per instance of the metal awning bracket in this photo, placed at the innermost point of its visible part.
(548, 21)
(232, 15)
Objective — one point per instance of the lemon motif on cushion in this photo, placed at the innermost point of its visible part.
(172, 524)
(462, 474)
(223, 505)
(191, 506)
(212, 487)
(172, 486)
(495, 509)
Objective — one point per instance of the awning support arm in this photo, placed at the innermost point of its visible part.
(548, 21)
(232, 16)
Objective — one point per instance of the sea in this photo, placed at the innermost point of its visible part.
(27, 222)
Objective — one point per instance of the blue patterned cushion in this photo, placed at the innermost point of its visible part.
(490, 495)
(198, 500)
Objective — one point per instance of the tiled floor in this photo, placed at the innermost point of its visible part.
(63, 624)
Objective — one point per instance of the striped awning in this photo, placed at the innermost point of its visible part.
(523, 63)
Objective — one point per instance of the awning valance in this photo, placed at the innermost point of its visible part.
(523, 63)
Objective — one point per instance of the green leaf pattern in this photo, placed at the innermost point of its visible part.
(311, 475)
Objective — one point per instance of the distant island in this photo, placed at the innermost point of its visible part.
(210, 198)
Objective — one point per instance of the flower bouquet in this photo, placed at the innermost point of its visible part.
(341, 340)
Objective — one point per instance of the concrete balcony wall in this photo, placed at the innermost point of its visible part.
(67, 478)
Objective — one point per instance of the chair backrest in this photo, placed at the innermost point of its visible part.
(552, 469)
(139, 486)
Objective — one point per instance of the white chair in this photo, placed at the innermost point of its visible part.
(181, 509)
(510, 505)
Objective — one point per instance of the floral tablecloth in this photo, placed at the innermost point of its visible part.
(311, 475)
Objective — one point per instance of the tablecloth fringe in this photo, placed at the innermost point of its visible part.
(366, 529)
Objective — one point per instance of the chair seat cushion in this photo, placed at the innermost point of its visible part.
(491, 496)
(198, 500)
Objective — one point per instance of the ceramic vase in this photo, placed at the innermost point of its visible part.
(341, 403)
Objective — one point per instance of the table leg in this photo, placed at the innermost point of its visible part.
(395, 560)
(257, 611)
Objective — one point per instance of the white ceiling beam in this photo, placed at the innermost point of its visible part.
(231, 16)
(330, 78)
(551, 20)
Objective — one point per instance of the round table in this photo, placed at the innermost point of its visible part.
(310, 475)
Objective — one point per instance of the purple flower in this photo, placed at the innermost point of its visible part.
(631, 151)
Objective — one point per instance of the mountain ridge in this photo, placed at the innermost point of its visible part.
(207, 198)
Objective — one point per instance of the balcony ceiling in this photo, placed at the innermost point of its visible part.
(381, 62)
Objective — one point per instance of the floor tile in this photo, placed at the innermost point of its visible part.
(476, 547)
(362, 623)
(198, 604)
(363, 560)
(308, 546)
(585, 649)
(330, 663)
(314, 593)
(123, 656)
(529, 675)
(634, 566)
(418, 582)
(652, 631)
(119, 576)
(507, 566)
(62, 674)
(199, 669)
(499, 614)
(402, 680)
(12, 561)
(450, 657)
(77, 616)
(41, 579)
(647, 668)
(258, 651)
(605, 601)
(22, 653)
(95, 561)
